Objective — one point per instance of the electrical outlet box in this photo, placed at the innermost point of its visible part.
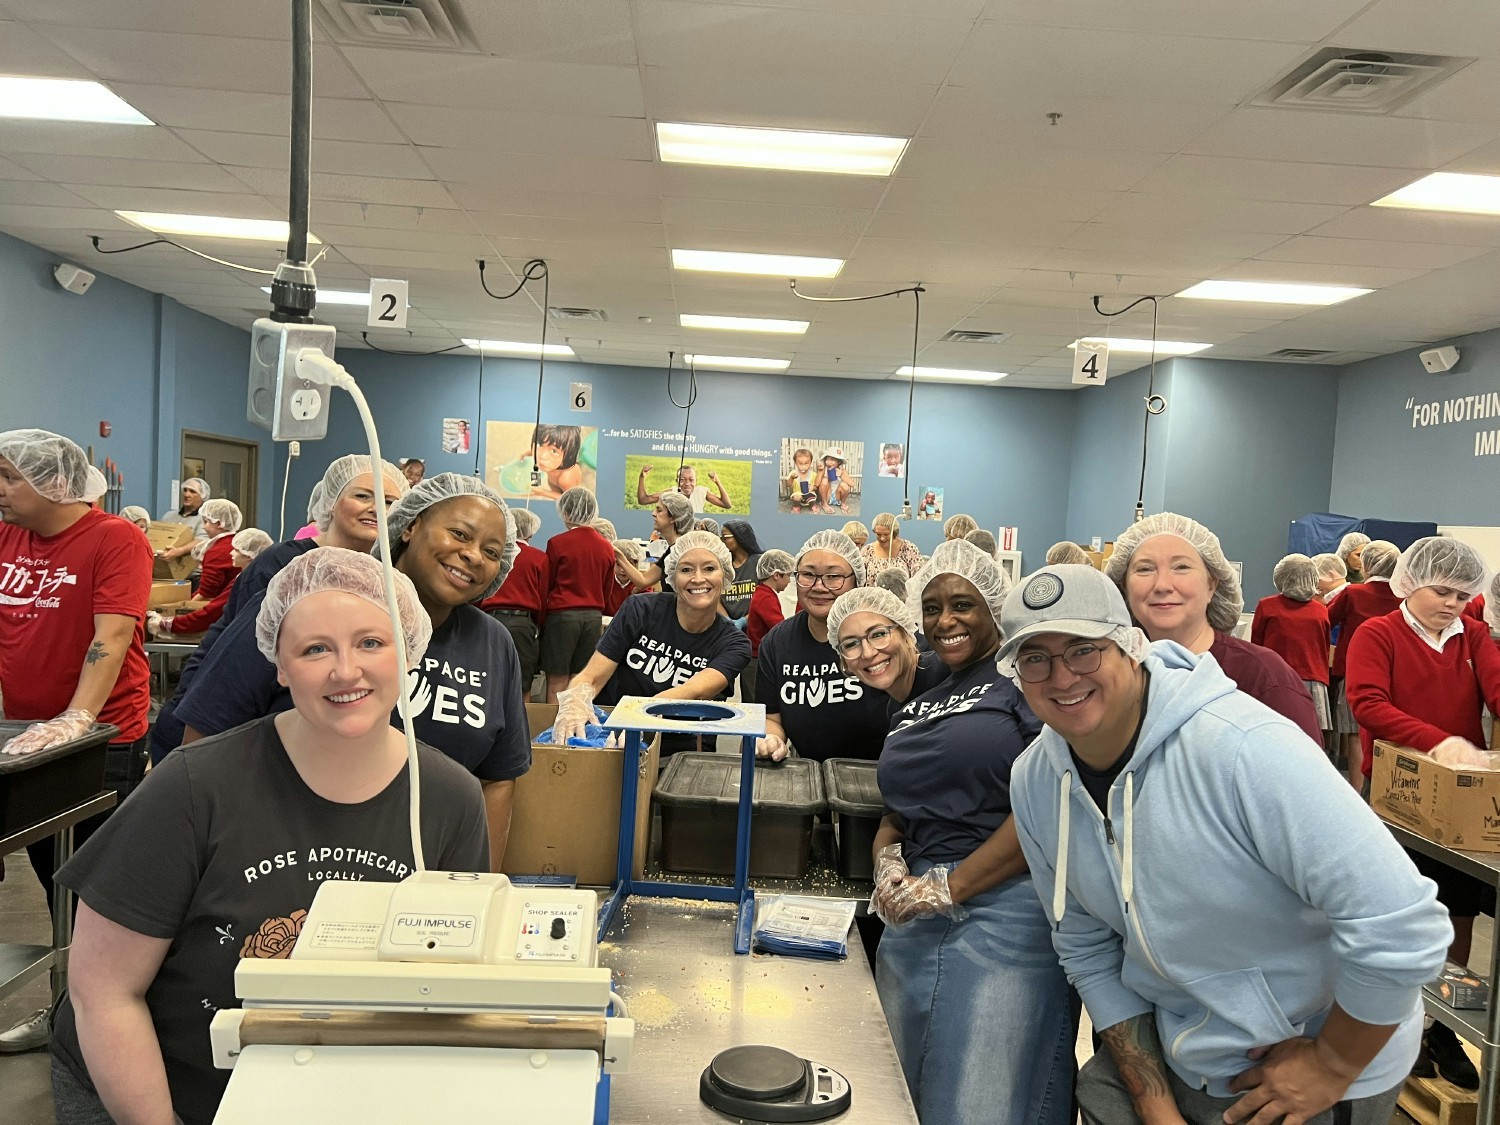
(280, 400)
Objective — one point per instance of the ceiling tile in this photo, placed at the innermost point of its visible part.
(1454, 27)
(394, 161)
(972, 167)
(541, 173)
(201, 176)
(505, 200)
(760, 241)
(1114, 237)
(353, 189)
(389, 217)
(1312, 273)
(76, 138)
(1389, 224)
(249, 20)
(1360, 252)
(595, 32)
(270, 114)
(991, 117)
(778, 218)
(571, 230)
(1469, 95)
(23, 51)
(1224, 177)
(993, 225)
(620, 138)
(935, 197)
(1292, 21)
(39, 193)
(241, 205)
(1186, 211)
(1340, 138)
(889, 106)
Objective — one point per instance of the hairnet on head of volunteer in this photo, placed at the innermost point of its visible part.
(603, 526)
(1067, 553)
(708, 525)
(839, 544)
(983, 540)
(956, 527)
(578, 506)
(697, 541)
(225, 512)
(250, 542)
(1330, 566)
(431, 491)
(1379, 558)
(201, 485)
(1296, 576)
(528, 523)
(743, 534)
(868, 599)
(53, 465)
(893, 578)
(961, 558)
(630, 549)
(1492, 605)
(679, 510)
(339, 475)
(134, 513)
(1440, 561)
(351, 572)
(774, 561)
(96, 487)
(1227, 601)
(1350, 543)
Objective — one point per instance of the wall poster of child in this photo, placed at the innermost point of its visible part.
(930, 503)
(716, 486)
(892, 460)
(565, 456)
(821, 476)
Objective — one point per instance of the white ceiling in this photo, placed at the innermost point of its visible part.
(1159, 172)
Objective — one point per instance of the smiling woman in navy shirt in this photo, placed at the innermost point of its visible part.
(976, 1001)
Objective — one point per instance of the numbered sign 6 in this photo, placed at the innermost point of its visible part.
(581, 397)
(1090, 363)
(387, 304)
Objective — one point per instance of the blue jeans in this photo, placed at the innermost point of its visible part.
(980, 1013)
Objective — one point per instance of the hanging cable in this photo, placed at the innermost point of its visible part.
(479, 414)
(373, 346)
(846, 300)
(531, 271)
(535, 269)
(686, 407)
(94, 238)
(1155, 404)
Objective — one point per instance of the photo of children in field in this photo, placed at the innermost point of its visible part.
(715, 486)
(820, 476)
(565, 456)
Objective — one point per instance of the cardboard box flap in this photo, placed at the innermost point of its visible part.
(1458, 808)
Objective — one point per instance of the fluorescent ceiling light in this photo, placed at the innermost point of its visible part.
(1448, 191)
(337, 296)
(788, 150)
(771, 265)
(211, 226)
(737, 362)
(65, 99)
(514, 347)
(954, 374)
(743, 324)
(1272, 292)
(1145, 347)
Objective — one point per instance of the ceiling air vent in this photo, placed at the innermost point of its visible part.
(1345, 80)
(1301, 355)
(965, 336)
(427, 25)
(557, 312)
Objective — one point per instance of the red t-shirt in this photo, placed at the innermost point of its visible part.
(582, 565)
(218, 568)
(525, 587)
(1295, 631)
(765, 615)
(1402, 690)
(1355, 605)
(50, 590)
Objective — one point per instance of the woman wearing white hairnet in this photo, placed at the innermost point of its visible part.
(1067, 553)
(245, 546)
(977, 1003)
(674, 645)
(1179, 587)
(813, 704)
(1351, 554)
(1294, 625)
(521, 599)
(1420, 677)
(671, 516)
(871, 631)
(219, 853)
(889, 548)
(1350, 608)
(136, 515)
(221, 519)
(343, 507)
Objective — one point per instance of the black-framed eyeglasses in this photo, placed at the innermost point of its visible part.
(1034, 666)
(879, 637)
(833, 583)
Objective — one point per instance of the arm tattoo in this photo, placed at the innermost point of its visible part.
(96, 653)
(1134, 1045)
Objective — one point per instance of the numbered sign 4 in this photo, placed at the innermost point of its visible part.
(387, 304)
(1090, 363)
(581, 397)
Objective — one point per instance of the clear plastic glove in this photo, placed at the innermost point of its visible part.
(890, 870)
(575, 711)
(67, 726)
(771, 746)
(913, 898)
(1462, 754)
(158, 625)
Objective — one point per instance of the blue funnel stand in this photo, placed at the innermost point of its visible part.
(637, 716)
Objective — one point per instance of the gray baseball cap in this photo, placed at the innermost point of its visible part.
(1072, 599)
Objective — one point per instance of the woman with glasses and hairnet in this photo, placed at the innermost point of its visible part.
(674, 645)
(219, 853)
(1294, 625)
(1180, 587)
(1420, 677)
(977, 1003)
(1350, 608)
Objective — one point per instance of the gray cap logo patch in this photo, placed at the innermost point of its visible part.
(1042, 591)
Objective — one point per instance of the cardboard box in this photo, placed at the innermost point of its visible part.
(168, 593)
(1457, 808)
(566, 812)
(162, 536)
(1099, 558)
(1459, 987)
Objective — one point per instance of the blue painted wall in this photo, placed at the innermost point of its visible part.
(1386, 467)
(1106, 463)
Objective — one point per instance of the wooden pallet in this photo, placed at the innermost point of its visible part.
(1432, 1101)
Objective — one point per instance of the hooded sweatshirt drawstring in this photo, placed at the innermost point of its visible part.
(1060, 883)
(1127, 870)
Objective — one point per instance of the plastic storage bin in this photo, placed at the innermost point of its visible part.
(36, 787)
(857, 808)
(699, 798)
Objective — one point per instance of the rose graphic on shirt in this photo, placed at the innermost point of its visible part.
(275, 938)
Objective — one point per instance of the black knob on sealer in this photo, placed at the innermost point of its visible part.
(559, 928)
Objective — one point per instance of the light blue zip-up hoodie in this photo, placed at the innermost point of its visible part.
(1238, 888)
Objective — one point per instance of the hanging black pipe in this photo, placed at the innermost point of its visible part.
(301, 155)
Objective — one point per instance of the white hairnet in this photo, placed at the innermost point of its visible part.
(603, 526)
(96, 487)
(956, 527)
(868, 599)
(430, 491)
(679, 510)
(226, 512)
(893, 578)
(962, 558)
(1296, 576)
(697, 541)
(335, 568)
(982, 539)
(1331, 566)
(578, 506)
(134, 512)
(774, 561)
(887, 520)
(1440, 561)
(839, 544)
(1492, 605)
(1227, 601)
(340, 475)
(200, 484)
(1067, 553)
(630, 549)
(1379, 558)
(528, 523)
(314, 501)
(853, 528)
(53, 465)
(251, 542)
(706, 524)
(1351, 542)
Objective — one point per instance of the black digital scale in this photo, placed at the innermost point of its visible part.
(759, 1083)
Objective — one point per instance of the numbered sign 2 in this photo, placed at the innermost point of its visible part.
(1090, 363)
(387, 304)
(581, 397)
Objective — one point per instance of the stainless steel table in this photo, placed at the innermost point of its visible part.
(692, 998)
(159, 655)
